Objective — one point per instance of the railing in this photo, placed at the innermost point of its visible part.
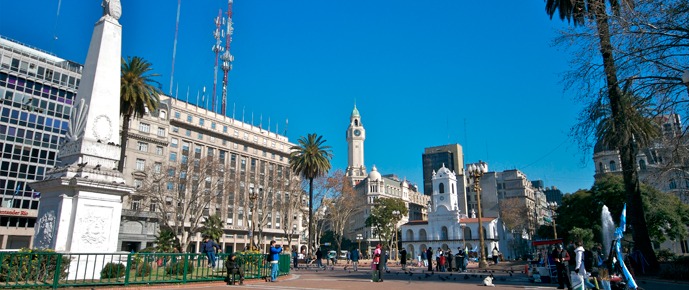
(32, 269)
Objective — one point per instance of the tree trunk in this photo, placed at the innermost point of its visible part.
(636, 217)
(123, 141)
(310, 214)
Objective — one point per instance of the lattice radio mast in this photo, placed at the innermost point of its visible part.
(226, 57)
(217, 49)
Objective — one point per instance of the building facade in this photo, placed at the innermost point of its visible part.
(37, 91)
(450, 156)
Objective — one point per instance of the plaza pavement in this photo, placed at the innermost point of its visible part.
(417, 278)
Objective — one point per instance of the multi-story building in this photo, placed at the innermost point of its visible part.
(371, 186)
(37, 90)
(433, 158)
(514, 184)
(255, 159)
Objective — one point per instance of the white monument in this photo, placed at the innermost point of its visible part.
(81, 198)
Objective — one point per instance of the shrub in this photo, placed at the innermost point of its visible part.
(143, 270)
(177, 268)
(665, 255)
(32, 265)
(113, 270)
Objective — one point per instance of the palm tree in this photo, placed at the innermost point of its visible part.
(138, 94)
(310, 159)
(578, 12)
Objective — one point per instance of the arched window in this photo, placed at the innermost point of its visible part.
(453, 189)
(612, 166)
(443, 233)
(441, 188)
(356, 122)
(673, 184)
(601, 169)
(410, 235)
(422, 235)
(642, 164)
(467, 233)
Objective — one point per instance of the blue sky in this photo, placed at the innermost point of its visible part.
(422, 73)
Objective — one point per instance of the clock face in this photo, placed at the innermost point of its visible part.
(357, 132)
(442, 198)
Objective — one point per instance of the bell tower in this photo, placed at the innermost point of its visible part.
(444, 189)
(356, 171)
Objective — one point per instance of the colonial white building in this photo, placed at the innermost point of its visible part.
(447, 227)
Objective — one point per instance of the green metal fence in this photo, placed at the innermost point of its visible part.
(44, 269)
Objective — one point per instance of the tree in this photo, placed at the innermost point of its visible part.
(667, 215)
(213, 227)
(579, 11)
(583, 235)
(289, 207)
(341, 207)
(139, 94)
(512, 213)
(166, 241)
(310, 159)
(384, 221)
(180, 194)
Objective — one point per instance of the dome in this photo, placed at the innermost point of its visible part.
(374, 175)
(599, 147)
(444, 171)
(355, 112)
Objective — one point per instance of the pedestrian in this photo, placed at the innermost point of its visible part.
(377, 264)
(424, 259)
(429, 255)
(208, 247)
(233, 267)
(403, 258)
(448, 260)
(295, 259)
(384, 260)
(319, 257)
(580, 266)
(441, 263)
(459, 260)
(561, 258)
(355, 259)
(274, 255)
(496, 254)
(438, 254)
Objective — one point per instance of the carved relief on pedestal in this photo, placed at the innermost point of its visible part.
(112, 8)
(46, 230)
(95, 228)
(77, 121)
(102, 128)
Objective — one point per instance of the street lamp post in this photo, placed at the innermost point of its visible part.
(476, 171)
(359, 237)
(464, 241)
(396, 214)
(253, 195)
(553, 206)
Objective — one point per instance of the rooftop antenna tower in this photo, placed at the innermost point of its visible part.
(217, 49)
(174, 46)
(226, 57)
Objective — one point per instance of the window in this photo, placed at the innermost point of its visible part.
(163, 115)
(159, 150)
(143, 127)
(136, 204)
(161, 132)
(173, 156)
(189, 118)
(212, 125)
(441, 188)
(138, 183)
(143, 146)
(140, 164)
(177, 115)
(188, 133)
(174, 142)
(224, 129)
(673, 184)
(175, 129)
(201, 121)
(612, 166)
(200, 136)
(642, 164)
(157, 167)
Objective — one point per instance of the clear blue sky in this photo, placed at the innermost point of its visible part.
(422, 73)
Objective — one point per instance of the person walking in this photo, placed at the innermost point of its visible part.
(448, 260)
(377, 264)
(275, 251)
(561, 258)
(208, 247)
(319, 257)
(295, 260)
(438, 254)
(403, 258)
(424, 260)
(355, 259)
(496, 255)
(580, 266)
(429, 257)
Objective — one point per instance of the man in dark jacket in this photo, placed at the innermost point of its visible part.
(355, 259)
(234, 267)
(403, 258)
(319, 257)
(459, 260)
(561, 258)
(208, 247)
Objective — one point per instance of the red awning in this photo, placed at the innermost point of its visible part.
(546, 242)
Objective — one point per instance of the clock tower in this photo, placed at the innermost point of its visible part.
(356, 171)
